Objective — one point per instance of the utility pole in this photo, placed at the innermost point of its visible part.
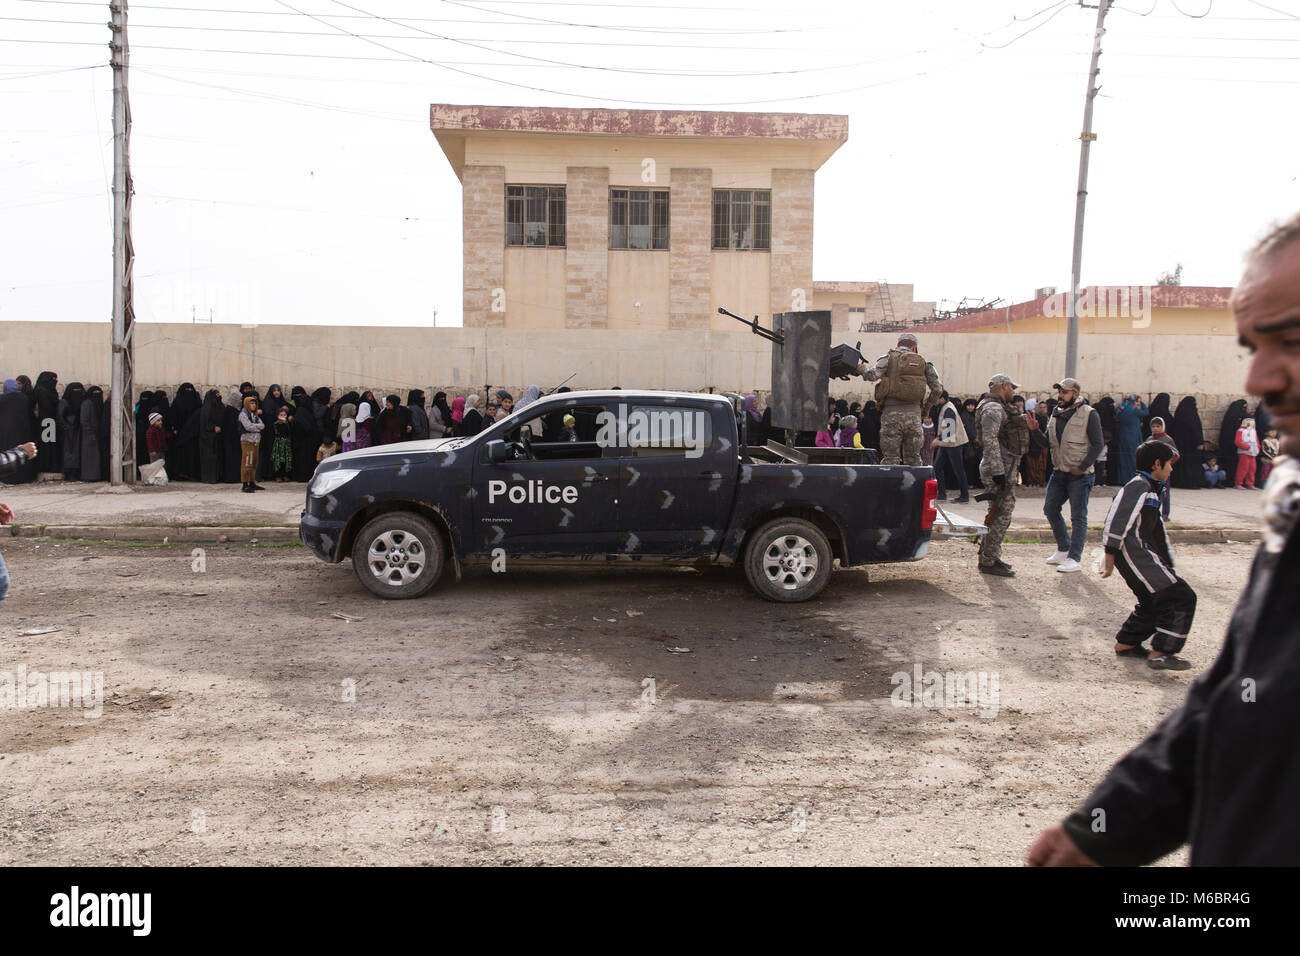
(1085, 141)
(121, 467)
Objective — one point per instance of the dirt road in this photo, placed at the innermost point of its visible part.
(555, 717)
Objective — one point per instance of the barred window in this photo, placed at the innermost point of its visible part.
(534, 215)
(742, 219)
(638, 219)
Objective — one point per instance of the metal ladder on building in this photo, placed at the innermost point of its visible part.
(886, 303)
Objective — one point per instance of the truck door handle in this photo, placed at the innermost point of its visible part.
(710, 474)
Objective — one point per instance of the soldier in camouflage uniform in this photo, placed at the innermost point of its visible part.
(903, 381)
(1004, 435)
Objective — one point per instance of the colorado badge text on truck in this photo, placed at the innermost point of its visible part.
(652, 476)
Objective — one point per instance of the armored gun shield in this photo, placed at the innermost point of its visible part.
(801, 370)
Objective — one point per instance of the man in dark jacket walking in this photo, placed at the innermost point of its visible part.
(1222, 772)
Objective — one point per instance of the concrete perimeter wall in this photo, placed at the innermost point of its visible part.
(1211, 367)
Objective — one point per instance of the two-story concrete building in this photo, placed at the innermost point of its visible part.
(634, 219)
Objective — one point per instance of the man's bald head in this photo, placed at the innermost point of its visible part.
(1266, 307)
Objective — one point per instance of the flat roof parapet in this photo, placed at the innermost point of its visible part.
(697, 123)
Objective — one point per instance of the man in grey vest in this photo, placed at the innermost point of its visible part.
(1074, 435)
(904, 380)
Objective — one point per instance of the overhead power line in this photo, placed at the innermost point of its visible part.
(682, 31)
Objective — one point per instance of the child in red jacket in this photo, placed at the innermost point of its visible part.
(1247, 442)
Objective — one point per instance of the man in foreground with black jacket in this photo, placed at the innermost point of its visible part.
(1222, 772)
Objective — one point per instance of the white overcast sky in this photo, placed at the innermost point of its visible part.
(285, 171)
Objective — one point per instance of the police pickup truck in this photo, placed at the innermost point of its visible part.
(656, 477)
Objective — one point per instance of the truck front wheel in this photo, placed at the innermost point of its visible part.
(398, 555)
(788, 559)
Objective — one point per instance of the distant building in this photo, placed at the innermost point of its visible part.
(873, 305)
(634, 219)
(1159, 310)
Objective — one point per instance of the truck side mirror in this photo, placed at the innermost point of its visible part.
(497, 451)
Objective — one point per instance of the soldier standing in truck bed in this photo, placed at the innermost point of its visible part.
(903, 381)
(1003, 434)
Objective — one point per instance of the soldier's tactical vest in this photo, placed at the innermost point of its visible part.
(1014, 433)
(905, 380)
(1072, 447)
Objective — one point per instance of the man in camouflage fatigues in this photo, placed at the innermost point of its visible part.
(902, 378)
(1004, 436)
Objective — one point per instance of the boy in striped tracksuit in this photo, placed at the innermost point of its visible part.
(1135, 542)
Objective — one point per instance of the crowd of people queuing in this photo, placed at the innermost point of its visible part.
(202, 438)
(1240, 457)
(240, 437)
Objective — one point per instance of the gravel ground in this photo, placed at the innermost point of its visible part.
(563, 715)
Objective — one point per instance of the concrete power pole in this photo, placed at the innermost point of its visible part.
(1072, 326)
(121, 466)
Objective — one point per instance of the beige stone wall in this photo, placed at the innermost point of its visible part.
(639, 284)
(792, 241)
(586, 238)
(691, 258)
(535, 288)
(741, 284)
(1211, 367)
(484, 215)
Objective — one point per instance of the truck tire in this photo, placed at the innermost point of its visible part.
(398, 555)
(788, 560)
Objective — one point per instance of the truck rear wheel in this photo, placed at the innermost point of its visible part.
(788, 560)
(398, 555)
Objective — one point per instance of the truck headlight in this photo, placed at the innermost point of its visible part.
(328, 481)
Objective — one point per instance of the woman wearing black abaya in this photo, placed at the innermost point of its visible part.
(390, 426)
(270, 412)
(1159, 409)
(230, 451)
(306, 439)
(15, 427)
(182, 459)
(1263, 422)
(212, 418)
(1106, 415)
(320, 410)
(419, 418)
(48, 446)
(188, 442)
(106, 435)
(869, 426)
(142, 410)
(1187, 435)
(1228, 437)
(70, 430)
(92, 415)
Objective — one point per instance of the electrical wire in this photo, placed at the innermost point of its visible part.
(1285, 13)
(1059, 8)
(566, 23)
(711, 31)
(292, 101)
(136, 25)
(1193, 16)
(1154, 4)
(70, 69)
